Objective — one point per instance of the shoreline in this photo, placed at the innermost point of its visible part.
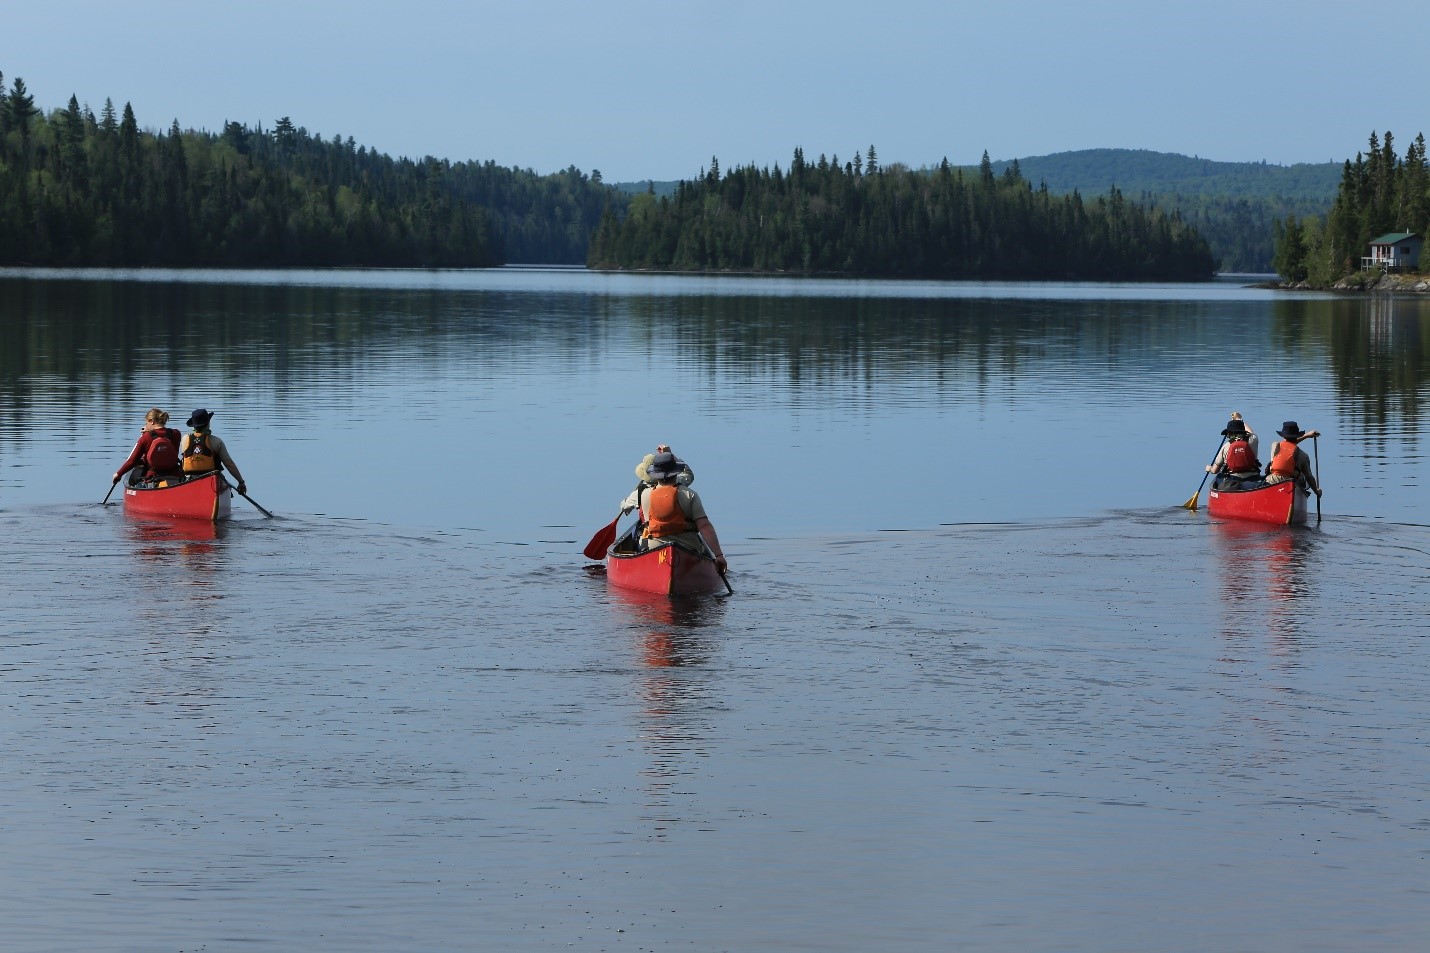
(1361, 282)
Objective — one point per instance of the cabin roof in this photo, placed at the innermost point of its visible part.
(1392, 237)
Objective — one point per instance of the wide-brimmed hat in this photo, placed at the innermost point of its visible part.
(199, 418)
(1291, 430)
(1234, 426)
(662, 466)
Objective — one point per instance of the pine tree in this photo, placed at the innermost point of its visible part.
(1413, 190)
(19, 109)
(1290, 260)
(71, 137)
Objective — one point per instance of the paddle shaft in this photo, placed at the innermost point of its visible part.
(1316, 449)
(1192, 503)
(110, 493)
(253, 501)
(710, 554)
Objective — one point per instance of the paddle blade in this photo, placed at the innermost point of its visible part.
(605, 536)
(1192, 503)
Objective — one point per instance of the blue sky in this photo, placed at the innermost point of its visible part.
(644, 89)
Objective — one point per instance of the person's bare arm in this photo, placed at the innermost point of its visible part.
(707, 533)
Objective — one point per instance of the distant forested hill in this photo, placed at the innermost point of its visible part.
(1092, 171)
(1236, 206)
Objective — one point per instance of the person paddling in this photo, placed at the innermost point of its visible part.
(157, 449)
(202, 452)
(673, 514)
(1236, 463)
(1289, 461)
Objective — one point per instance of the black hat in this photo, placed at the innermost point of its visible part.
(199, 418)
(1291, 430)
(1234, 426)
(663, 466)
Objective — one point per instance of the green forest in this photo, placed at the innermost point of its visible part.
(859, 218)
(1234, 205)
(80, 189)
(1380, 192)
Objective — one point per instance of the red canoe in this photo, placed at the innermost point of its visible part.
(208, 497)
(1279, 503)
(667, 570)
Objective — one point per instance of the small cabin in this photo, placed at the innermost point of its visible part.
(1398, 251)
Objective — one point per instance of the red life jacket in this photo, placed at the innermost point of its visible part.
(1239, 457)
(162, 454)
(1283, 463)
(664, 517)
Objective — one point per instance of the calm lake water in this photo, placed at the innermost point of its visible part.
(983, 685)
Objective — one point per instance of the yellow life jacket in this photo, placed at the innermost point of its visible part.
(198, 457)
(664, 517)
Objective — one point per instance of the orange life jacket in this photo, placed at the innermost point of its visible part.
(1239, 457)
(664, 516)
(1283, 463)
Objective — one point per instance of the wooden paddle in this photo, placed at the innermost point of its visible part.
(1192, 503)
(1316, 447)
(605, 536)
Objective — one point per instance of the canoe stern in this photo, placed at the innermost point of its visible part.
(667, 570)
(208, 497)
(1280, 503)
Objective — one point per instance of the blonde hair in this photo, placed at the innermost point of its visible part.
(156, 416)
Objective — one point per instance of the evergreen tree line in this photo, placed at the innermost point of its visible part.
(1379, 193)
(80, 189)
(1234, 205)
(859, 218)
(1241, 231)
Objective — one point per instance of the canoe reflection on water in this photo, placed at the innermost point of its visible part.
(1265, 572)
(679, 708)
(193, 545)
(160, 529)
(671, 624)
(185, 559)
